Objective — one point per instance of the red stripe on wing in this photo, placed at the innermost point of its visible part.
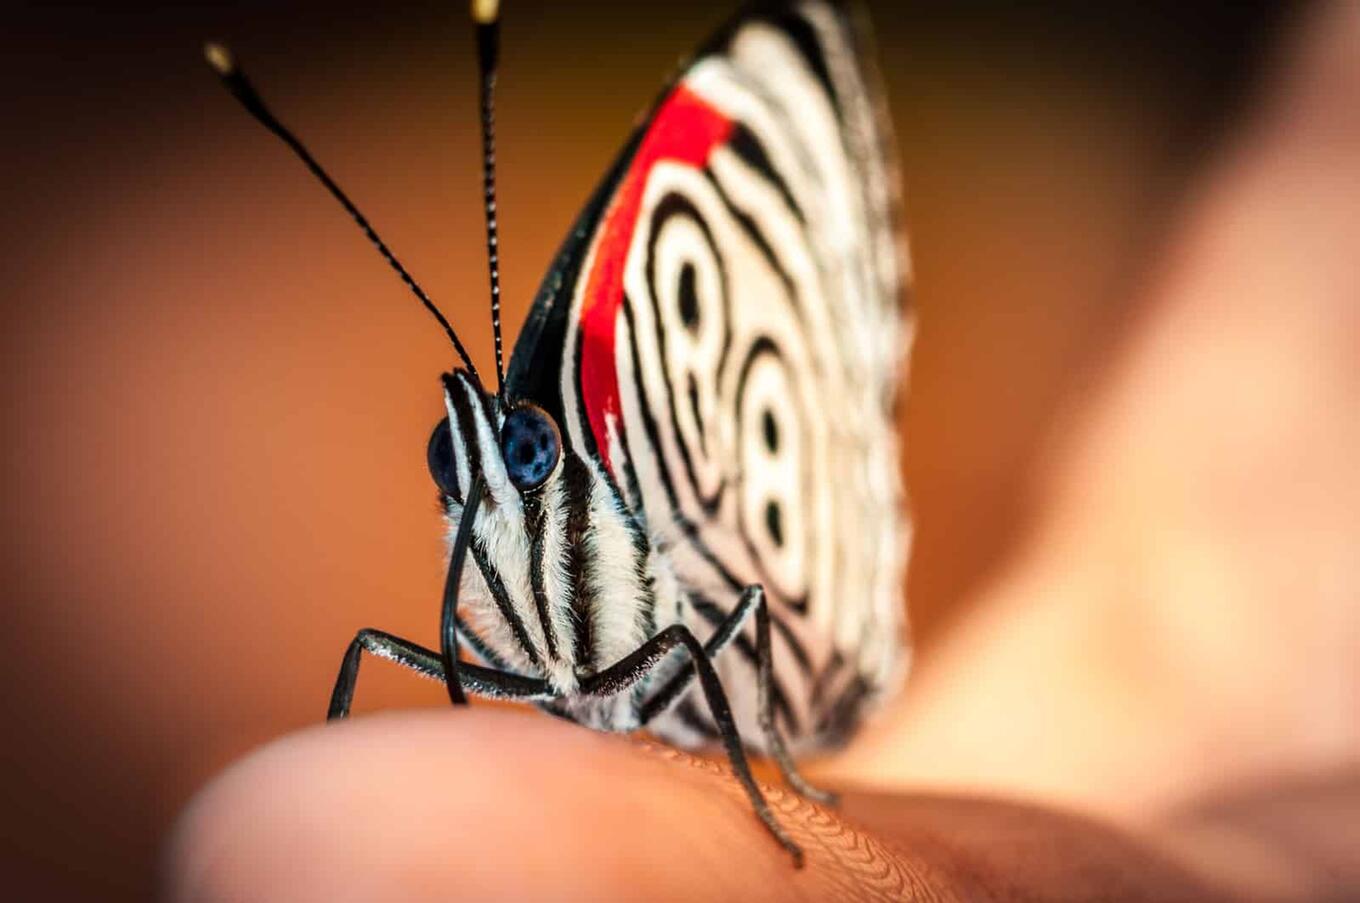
(684, 130)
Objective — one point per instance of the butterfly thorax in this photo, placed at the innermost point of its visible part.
(566, 581)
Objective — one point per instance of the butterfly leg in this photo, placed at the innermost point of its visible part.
(479, 681)
(629, 670)
(727, 631)
(752, 599)
(774, 741)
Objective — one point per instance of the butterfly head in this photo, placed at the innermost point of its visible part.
(521, 610)
(515, 448)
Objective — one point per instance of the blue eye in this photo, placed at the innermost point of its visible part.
(439, 455)
(530, 445)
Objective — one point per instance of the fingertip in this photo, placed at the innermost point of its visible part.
(492, 804)
(344, 810)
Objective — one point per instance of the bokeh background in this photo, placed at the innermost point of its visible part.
(217, 397)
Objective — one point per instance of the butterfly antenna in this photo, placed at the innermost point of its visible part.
(485, 13)
(224, 64)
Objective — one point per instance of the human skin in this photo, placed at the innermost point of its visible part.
(495, 805)
(1158, 698)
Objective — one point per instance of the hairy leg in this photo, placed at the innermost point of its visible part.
(629, 670)
(477, 680)
(752, 600)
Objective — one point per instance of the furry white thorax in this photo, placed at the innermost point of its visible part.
(620, 574)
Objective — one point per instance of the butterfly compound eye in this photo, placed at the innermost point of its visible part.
(530, 445)
(439, 455)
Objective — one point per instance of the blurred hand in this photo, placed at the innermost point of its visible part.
(1173, 655)
(492, 804)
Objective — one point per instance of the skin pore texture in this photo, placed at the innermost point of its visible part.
(1158, 698)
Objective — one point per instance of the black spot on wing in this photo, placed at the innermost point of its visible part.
(774, 522)
(770, 431)
(688, 298)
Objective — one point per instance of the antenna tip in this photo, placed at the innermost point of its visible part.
(484, 12)
(220, 58)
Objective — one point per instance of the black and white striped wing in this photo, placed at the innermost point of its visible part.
(730, 325)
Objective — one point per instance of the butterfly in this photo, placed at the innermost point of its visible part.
(682, 501)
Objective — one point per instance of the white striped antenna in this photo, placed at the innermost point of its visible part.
(485, 14)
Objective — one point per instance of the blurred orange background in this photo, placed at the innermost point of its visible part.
(218, 397)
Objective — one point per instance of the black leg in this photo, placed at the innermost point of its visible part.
(480, 681)
(752, 599)
(448, 628)
(727, 631)
(628, 671)
(764, 676)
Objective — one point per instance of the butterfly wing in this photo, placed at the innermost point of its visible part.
(724, 331)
